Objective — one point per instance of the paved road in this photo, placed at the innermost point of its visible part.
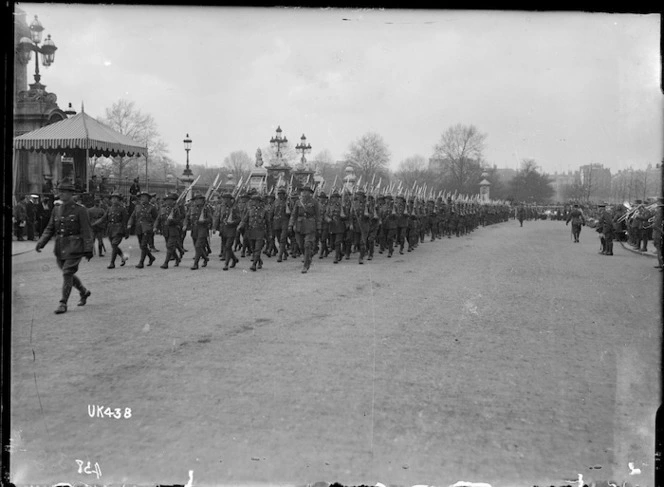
(511, 356)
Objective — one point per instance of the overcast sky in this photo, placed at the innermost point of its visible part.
(564, 89)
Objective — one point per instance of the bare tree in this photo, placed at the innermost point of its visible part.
(370, 156)
(239, 163)
(460, 152)
(125, 118)
(414, 170)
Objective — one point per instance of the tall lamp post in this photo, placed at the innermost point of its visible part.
(276, 143)
(187, 175)
(47, 50)
(304, 148)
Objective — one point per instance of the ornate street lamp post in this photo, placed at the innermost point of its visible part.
(276, 143)
(304, 148)
(187, 175)
(47, 50)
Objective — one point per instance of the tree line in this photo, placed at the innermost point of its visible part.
(456, 164)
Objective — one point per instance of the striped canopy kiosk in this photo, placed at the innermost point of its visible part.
(80, 134)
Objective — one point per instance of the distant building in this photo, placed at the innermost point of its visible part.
(563, 180)
(596, 180)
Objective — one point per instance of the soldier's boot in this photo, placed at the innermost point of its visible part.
(66, 291)
(347, 248)
(362, 252)
(308, 251)
(99, 249)
(280, 255)
(169, 254)
(260, 262)
(228, 259)
(84, 297)
(401, 247)
(151, 257)
(609, 248)
(124, 259)
(196, 259)
(371, 250)
(140, 262)
(337, 253)
(114, 254)
(323, 249)
(253, 265)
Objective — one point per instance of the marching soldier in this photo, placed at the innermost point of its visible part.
(70, 224)
(297, 243)
(361, 219)
(374, 225)
(280, 223)
(257, 225)
(199, 219)
(335, 218)
(521, 214)
(169, 223)
(402, 222)
(95, 215)
(323, 200)
(228, 219)
(240, 242)
(154, 202)
(307, 214)
(270, 248)
(115, 221)
(143, 217)
(578, 219)
(389, 219)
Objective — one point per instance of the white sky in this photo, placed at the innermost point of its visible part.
(562, 88)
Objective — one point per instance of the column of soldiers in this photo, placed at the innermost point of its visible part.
(300, 223)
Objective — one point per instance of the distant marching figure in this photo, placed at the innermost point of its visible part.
(577, 218)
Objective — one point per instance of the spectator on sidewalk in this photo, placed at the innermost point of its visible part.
(20, 216)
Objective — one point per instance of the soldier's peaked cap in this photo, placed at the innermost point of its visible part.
(307, 187)
(601, 205)
(226, 194)
(115, 195)
(171, 196)
(198, 196)
(322, 194)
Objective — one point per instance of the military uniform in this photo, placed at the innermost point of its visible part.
(228, 219)
(577, 219)
(169, 224)
(605, 225)
(115, 221)
(323, 200)
(388, 218)
(70, 224)
(361, 219)
(199, 219)
(95, 215)
(336, 224)
(257, 225)
(280, 219)
(307, 215)
(374, 225)
(143, 217)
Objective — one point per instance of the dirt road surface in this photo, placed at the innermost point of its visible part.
(510, 356)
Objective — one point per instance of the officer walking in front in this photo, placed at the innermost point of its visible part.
(307, 214)
(70, 224)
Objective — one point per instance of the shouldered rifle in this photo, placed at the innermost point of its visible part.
(182, 197)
